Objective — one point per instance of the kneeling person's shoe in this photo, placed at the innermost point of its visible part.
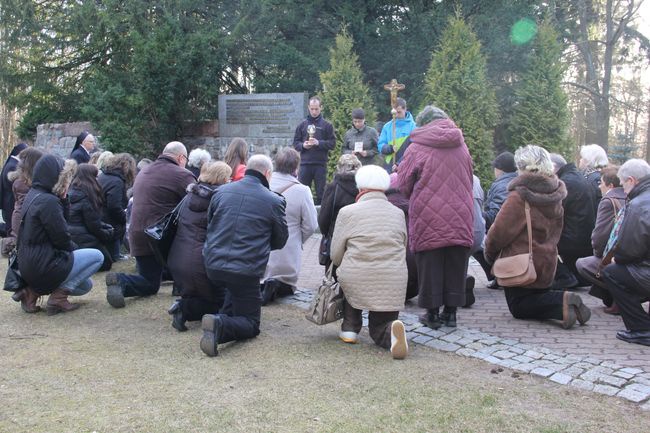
(212, 327)
(178, 320)
(637, 337)
(399, 346)
(349, 337)
(114, 294)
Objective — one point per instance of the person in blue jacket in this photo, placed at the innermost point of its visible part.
(393, 147)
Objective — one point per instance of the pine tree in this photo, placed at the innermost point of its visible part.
(541, 115)
(457, 83)
(344, 90)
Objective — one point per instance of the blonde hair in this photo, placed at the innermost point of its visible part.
(65, 177)
(534, 159)
(215, 173)
(103, 158)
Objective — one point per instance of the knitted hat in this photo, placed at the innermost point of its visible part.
(505, 162)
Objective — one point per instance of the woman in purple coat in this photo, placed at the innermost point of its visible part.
(436, 175)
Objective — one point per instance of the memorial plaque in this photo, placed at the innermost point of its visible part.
(265, 120)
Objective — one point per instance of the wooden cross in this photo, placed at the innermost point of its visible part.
(393, 87)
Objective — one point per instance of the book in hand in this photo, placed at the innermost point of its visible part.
(358, 146)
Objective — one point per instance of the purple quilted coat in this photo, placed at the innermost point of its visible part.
(436, 174)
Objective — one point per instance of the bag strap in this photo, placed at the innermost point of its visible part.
(287, 187)
(615, 204)
(22, 218)
(529, 229)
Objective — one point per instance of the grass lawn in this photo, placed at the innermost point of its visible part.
(98, 369)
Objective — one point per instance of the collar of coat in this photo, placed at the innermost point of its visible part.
(259, 176)
(538, 189)
(370, 194)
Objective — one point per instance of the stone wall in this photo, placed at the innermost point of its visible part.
(59, 138)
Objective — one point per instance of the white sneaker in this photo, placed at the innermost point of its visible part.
(399, 346)
(349, 337)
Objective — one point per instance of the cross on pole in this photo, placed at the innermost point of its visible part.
(393, 87)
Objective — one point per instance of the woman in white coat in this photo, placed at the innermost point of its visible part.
(369, 248)
(282, 271)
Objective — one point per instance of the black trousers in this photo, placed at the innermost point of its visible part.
(441, 277)
(628, 295)
(194, 308)
(534, 303)
(480, 258)
(146, 282)
(316, 173)
(378, 323)
(242, 307)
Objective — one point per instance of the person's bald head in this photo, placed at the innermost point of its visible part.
(261, 164)
(177, 150)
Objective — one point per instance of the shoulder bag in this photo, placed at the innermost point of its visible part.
(13, 280)
(326, 240)
(327, 304)
(518, 270)
(161, 234)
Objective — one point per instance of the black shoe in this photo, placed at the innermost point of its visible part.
(469, 291)
(637, 337)
(176, 291)
(283, 290)
(448, 317)
(493, 285)
(431, 319)
(114, 294)
(178, 321)
(212, 328)
(269, 289)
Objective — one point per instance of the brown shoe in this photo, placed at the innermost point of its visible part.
(58, 302)
(582, 313)
(28, 299)
(612, 309)
(568, 311)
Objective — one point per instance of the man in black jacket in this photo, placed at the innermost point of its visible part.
(314, 138)
(579, 221)
(628, 276)
(245, 222)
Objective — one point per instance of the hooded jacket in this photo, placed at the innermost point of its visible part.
(114, 211)
(496, 195)
(436, 176)
(579, 213)
(346, 192)
(633, 243)
(44, 245)
(316, 155)
(403, 128)
(508, 234)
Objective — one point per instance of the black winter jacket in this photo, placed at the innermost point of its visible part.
(86, 227)
(245, 222)
(80, 155)
(114, 212)
(346, 193)
(44, 245)
(579, 213)
(185, 259)
(325, 136)
(496, 195)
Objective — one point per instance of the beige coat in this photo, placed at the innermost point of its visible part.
(369, 246)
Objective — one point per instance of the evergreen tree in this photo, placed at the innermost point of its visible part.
(344, 90)
(457, 83)
(541, 115)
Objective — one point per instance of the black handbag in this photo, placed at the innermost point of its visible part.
(161, 234)
(326, 240)
(13, 280)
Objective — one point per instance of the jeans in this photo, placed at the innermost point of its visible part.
(86, 262)
(146, 282)
(114, 249)
(242, 308)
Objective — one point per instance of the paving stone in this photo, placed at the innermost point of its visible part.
(573, 371)
(523, 358)
(479, 355)
(629, 370)
(622, 374)
(465, 352)
(533, 354)
(582, 384)
(573, 358)
(411, 335)
(503, 354)
(508, 363)
(451, 337)
(641, 380)
(509, 342)
(632, 395)
(541, 371)
(604, 370)
(488, 350)
(491, 359)
(584, 364)
(594, 361)
(611, 365)
(561, 378)
(606, 389)
(524, 366)
(612, 380)
(431, 332)
(517, 350)
(443, 345)
(489, 341)
(475, 346)
(565, 361)
(421, 339)
(551, 357)
(465, 341)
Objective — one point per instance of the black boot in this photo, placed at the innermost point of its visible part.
(178, 320)
(431, 319)
(448, 316)
(469, 291)
(269, 289)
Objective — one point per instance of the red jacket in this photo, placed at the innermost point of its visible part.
(436, 175)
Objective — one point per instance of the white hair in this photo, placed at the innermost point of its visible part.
(198, 157)
(636, 168)
(594, 156)
(260, 163)
(372, 177)
(175, 148)
(534, 159)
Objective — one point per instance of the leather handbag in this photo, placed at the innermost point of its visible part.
(327, 304)
(161, 234)
(517, 270)
(326, 240)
